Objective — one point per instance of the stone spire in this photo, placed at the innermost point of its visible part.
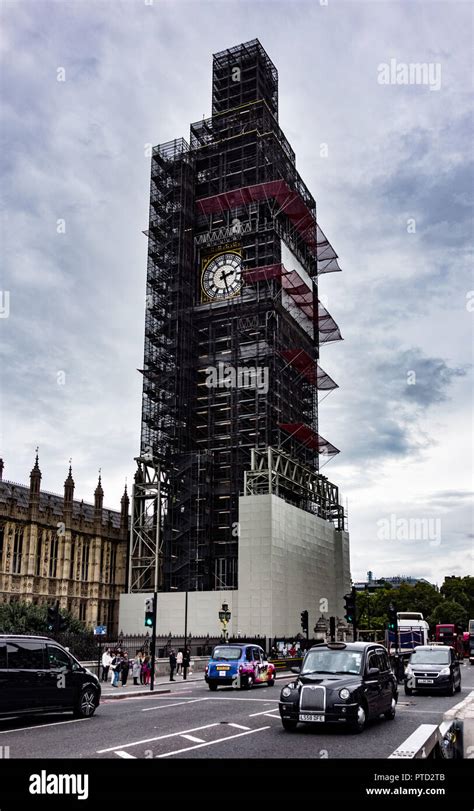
(98, 499)
(69, 488)
(35, 480)
(125, 503)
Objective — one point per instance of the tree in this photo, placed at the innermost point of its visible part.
(27, 618)
(448, 611)
(461, 590)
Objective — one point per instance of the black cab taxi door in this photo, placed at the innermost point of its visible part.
(372, 688)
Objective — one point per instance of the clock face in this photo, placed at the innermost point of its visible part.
(222, 276)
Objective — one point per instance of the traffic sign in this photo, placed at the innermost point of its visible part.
(100, 630)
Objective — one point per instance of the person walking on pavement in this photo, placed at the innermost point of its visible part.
(172, 664)
(106, 661)
(125, 669)
(179, 662)
(146, 669)
(116, 667)
(137, 667)
(186, 660)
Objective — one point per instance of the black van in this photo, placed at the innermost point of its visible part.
(38, 675)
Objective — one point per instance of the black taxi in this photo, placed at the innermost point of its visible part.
(340, 682)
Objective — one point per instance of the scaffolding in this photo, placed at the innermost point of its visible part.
(234, 187)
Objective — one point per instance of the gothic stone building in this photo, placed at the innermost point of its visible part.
(57, 548)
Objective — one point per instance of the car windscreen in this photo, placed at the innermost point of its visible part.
(430, 657)
(332, 661)
(227, 654)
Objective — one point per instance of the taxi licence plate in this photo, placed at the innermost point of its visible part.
(425, 681)
(222, 672)
(305, 717)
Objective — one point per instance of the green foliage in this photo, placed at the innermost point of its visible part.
(27, 618)
(450, 612)
(453, 603)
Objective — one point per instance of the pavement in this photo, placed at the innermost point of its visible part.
(163, 684)
(183, 719)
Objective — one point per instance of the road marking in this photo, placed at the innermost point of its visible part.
(265, 712)
(42, 726)
(126, 755)
(157, 738)
(242, 698)
(177, 704)
(192, 738)
(212, 743)
(239, 726)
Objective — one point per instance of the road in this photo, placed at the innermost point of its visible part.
(191, 722)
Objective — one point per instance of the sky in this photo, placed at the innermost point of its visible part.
(87, 87)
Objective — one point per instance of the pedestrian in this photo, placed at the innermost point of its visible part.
(186, 660)
(137, 668)
(116, 667)
(106, 661)
(179, 662)
(172, 664)
(125, 668)
(146, 670)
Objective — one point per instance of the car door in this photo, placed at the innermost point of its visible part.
(59, 677)
(4, 679)
(372, 687)
(26, 674)
(386, 688)
(456, 670)
(258, 664)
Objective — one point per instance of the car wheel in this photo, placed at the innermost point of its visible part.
(359, 724)
(458, 688)
(451, 689)
(271, 682)
(390, 714)
(87, 704)
(212, 686)
(249, 682)
(290, 726)
(408, 691)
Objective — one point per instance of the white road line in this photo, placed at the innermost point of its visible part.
(177, 704)
(211, 743)
(157, 738)
(239, 726)
(265, 712)
(242, 698)
(42, 726)
(125, 755)
(192, 738)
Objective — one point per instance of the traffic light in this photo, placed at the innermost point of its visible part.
(350, 607)
(304, 621)
(149, 612)
(392, 618)
(53, 612)
(63, 623)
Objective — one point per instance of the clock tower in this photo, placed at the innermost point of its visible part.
(234, 326)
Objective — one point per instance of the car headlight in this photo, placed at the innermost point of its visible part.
(286, 692)
(344, 694)
(409, 671)
(444, 672)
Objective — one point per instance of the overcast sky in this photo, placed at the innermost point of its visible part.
(390, 166)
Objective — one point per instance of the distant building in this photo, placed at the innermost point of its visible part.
(395, 582)
(56, 548)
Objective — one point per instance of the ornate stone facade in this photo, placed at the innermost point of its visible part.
(55, 548)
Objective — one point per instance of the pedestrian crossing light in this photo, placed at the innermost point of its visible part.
(149, 612)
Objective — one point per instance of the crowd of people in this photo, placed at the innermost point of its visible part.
(117, 665)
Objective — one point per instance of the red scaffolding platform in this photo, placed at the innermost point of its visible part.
(308, 437)
(300, 360)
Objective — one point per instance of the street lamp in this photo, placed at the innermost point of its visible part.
(224, 618)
